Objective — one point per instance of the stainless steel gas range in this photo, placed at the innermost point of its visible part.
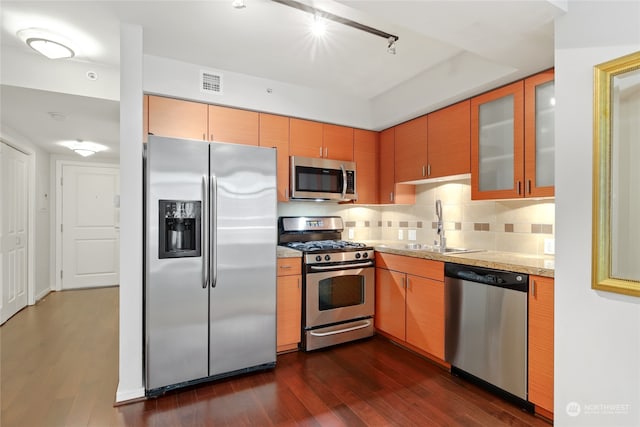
(338, 280)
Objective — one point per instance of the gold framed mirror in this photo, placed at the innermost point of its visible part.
(616, 179)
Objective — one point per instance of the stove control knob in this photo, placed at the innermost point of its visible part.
(327, 258)
(358, 255)
(318, 258)
(365, 255)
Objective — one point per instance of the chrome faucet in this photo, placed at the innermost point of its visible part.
(440, 227)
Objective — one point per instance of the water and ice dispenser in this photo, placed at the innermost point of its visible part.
(180, 224)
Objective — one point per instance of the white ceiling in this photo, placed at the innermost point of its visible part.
(265, 39)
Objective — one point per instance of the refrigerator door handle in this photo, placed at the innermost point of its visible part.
(204, 242)
(213, 230)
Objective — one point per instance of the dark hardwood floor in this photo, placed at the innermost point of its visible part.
(59, 368)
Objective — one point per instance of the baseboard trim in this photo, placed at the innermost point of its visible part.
(125, 396)
(43, 294)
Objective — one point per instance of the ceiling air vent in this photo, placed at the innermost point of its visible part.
(210, 82)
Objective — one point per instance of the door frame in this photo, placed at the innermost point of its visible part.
(57, 267)
(31, 219)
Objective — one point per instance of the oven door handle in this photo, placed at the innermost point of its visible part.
(341, 267)
(341, 331)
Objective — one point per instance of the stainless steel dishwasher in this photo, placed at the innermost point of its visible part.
(486, 328)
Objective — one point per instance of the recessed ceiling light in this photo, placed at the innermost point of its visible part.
(238, 4)
(60, 117)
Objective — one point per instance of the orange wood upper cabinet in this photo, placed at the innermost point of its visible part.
(289, 304)
(177, 118)
(337, 142)
(497, 143)
(274, 132)
(145, 118)
(539, 135)
(390, 303)
(410, 301)
(305, 138)
(389, 191)
(501, 143)
(233, 125)
(449, 136)
(365, 154)
(411, 150)
(540, 353)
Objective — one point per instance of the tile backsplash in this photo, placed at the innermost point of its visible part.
(506, 225)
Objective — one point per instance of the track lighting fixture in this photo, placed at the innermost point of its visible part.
(318, 13)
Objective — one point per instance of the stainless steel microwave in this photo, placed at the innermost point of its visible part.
(322, 179)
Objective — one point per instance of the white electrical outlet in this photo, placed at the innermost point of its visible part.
(400, 235)
(351, 233)
(411, 235)
(549, 246)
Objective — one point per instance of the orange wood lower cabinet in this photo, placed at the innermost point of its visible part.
(410, 303)
(541, 344)
(289, 304)
(425, 315)
(390, 302)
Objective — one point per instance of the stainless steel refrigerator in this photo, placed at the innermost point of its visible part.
(210, 261)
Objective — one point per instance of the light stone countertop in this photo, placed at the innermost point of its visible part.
(284, 252)
(508, 261)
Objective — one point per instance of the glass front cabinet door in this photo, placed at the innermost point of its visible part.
(512, 140)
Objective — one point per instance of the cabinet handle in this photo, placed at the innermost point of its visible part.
(321, 151)
(424, 170)
(286, 193)
(518, 188)
(408, 283)
(298, 283)
(326, 152)
(533, 288)
(391, 196)
(429, 170)
(528, 186)
(285, 266)
(204, 137)
(404, 284)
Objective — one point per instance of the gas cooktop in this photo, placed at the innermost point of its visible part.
(323, 245)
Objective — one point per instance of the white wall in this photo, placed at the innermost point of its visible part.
(130, 385)
(163, 76)
(597, 334)
(24, 69)
(39, 178)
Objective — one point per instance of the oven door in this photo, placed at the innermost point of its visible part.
(338, 294)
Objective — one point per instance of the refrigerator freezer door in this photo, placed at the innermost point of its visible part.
(243, 301)
(176, 303)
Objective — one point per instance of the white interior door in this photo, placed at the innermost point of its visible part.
(14, 167)
(90, 226)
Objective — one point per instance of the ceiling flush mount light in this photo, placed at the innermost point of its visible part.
(50, 45)
(50, 49)
(391, 39)
(83, 148)
(238, 4)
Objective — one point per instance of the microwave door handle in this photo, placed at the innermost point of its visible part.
(344, 182)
